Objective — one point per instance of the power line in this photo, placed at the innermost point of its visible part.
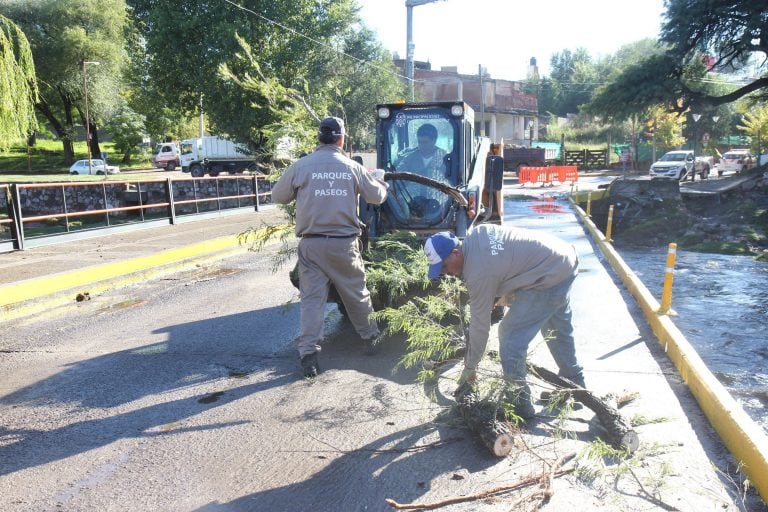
(312, 39)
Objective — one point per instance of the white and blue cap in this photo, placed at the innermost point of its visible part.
(438, 247)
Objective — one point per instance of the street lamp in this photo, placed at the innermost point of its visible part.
(696, 118)
(530, 132)
(87, 120)
(409, 46)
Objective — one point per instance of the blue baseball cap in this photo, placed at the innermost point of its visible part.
(438, 247)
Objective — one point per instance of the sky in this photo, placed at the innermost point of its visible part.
(503, 35)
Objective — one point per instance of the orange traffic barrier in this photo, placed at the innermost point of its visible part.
(546, 175)
(534, 175)
(567, 173)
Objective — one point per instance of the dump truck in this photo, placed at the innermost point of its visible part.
(516, 157)
(214, 155)
(451, 185)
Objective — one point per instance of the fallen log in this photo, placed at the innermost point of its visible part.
(619, 431)
(481, 418)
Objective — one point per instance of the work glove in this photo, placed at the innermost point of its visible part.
(378, 174)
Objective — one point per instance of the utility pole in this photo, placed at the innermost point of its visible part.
(201, 128)
(482, 101)
(409, 46)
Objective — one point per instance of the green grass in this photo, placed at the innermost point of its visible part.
(45, 162)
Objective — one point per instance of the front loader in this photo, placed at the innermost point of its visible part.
(460, 190)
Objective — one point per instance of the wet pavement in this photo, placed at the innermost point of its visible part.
(681, 463)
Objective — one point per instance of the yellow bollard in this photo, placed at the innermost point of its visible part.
(666, 295)
(609, 226)
(589, 204)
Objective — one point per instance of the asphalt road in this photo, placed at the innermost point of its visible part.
(184, 394)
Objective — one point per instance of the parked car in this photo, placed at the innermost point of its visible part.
(679, 164)
(735, 160)
(97, 167)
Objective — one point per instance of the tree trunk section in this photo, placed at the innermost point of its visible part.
(94, 142)
(61, 130)
(619, 431)
(481, 419)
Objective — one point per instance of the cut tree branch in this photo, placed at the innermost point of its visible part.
(619, 431)
(554, 472)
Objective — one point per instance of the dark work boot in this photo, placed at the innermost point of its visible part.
(520, 399)
(309, 365)
(371, 344)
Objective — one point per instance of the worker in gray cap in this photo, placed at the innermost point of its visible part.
(326, 185)
(532, 272)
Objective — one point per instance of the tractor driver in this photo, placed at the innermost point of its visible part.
(427, 159)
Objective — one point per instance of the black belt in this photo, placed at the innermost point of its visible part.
(310, 235)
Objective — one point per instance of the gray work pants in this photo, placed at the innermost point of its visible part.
(323, 261)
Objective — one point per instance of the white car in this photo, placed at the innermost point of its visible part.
(735, 160)
(97, 167)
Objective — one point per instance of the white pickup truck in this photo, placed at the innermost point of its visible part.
(680, 164)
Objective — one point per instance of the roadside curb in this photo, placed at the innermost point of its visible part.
(745, 440)
(33, 296)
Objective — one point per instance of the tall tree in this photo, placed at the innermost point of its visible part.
(294, 41)
(63, 34)
(18, 85)
(699, 36)
(573, 76)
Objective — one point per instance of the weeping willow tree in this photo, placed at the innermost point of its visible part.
(18, 85)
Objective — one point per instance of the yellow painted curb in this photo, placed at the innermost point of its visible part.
(34, 295)
(746, 441)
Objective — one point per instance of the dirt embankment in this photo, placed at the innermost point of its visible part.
(653, 213)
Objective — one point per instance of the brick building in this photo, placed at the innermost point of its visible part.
(503, 112)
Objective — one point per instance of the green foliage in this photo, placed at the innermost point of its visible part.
(724, 34)
(433, 325)
(63, 34)
(638, 88)
(127, 129)
(574, 77)
(599, 450)
(259, 238)
(45, 162)
(396, 266)
(286, 112)
(755, 125)
(729, 31)
(664, 128)
(18, 85)
(267, 70)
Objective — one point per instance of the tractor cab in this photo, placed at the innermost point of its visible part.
(435, 167)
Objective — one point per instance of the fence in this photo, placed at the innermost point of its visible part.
(587, 158)
(42, 213)
(548, 175)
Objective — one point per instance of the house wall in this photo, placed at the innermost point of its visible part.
(504, 108)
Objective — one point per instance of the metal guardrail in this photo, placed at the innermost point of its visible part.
(7, 229)
(37, 214)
